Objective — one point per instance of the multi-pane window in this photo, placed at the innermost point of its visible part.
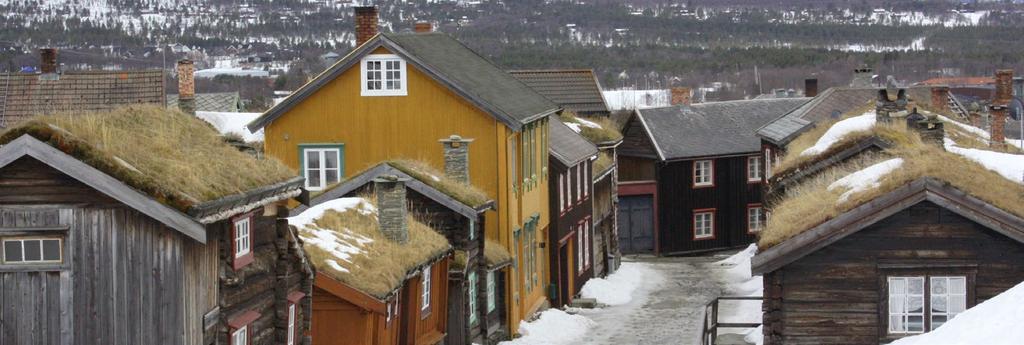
(755, 218)
(906, 304)
(425, 289)
(492, 298)
(921, 304)
(243, 236)
(291, 324)
(703, 173)
(703, 224)
(32, 250)
(754, 169)
(513, 157)
(948, 297)
(768, 162)
(321, 167)
(586, 243)
(579, 248)
(585, 177)
(568, 189)
(240, 336)
(561, 192)
(383, 75)
(472, 298)
(579, 182)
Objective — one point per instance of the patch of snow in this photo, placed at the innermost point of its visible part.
(630, 99)
(575, 127)
(1009, 165)
(617, 288)
(971, 129)
(587, 123)
(228, 123)
(237, 72)
(840, 130)
(740, 282)
(995, 321)
(342, 244)
(865, 179)
(553, 327)
(310, 215)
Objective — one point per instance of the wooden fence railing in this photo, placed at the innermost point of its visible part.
(711, 324)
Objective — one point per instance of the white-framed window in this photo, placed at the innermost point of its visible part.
(768, 162)
(384, 75)
(755, 218)
(243, 236)
(586, 179)
(579, 248)
(586, 243)
(906, 305)
(754, 167)
(579, 182)
(948, 297)
(492, 291)
(321, 166)
(513, 159)
(425, 289)
(568, 189)
(240, 336)
(472, 298)
(32, 250)
(291, 324)
(703, 224)
(703, 173)
(561, 192)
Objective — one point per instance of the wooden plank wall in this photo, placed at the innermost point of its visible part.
(201, 286)
(834, 295)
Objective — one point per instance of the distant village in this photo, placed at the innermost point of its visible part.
(414, 192)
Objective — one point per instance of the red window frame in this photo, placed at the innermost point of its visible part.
(760, 179)
(693, 174)
(763, 215)
(693, 224)
(241, 261)
(242, 320)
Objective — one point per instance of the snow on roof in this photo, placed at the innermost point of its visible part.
(232, 123)
(1008, 165)
(840, 130)
(342, 245)
(864, 179)
(628, 99)
(238, 72)
(995, 321)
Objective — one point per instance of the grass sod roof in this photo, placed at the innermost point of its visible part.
(348, 245)
(495, 254)
(801, 208)
(463, 192)
(603, 162)
(606, 130)
(176, 159)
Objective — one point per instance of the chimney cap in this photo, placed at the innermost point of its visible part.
(455, 138)
(389, 178)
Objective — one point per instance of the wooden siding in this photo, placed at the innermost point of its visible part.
(566, 223)
(836, 296)
(729, 197)
(637, 169)
(201, 284)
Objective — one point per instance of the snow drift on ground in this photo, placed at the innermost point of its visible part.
(996, 321)
(840, 130)
(866, 178)
(1009, 165)
(617, 288)
(553, 327)
(740, 282)
(227, 123)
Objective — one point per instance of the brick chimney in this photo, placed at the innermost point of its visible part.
(366, 24)
(456, 158)
(811, 87)
(391, 207)
(680, 96)
(940, 98)
(862, 77)
(1000, 107)
(186, 86)
(48, 60)
(424, 27)
(892, 102)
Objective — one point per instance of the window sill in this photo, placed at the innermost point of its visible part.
(243, 260)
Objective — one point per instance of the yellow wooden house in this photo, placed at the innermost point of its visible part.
(398, 96)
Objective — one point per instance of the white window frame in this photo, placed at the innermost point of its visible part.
(425, 289)
(586, 243)
(42, 255)
(755, 219)
(586, 180)
(768, 162)
(579, 248)
(383, 59)
(699, 222)
(579, 182)
(754, 167)
(703, 173)
(243, 236)
(291, 324)
(949, 296)
(561, 192)
(568, 189)
(901, 297)
(322, 171)
(240, 336)
(473, 295)
(492, 301)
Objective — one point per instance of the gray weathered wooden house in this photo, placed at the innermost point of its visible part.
(101, 247)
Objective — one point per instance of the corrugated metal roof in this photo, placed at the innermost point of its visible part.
(574, 89)
(25, 95)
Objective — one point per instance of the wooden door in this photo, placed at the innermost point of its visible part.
(30, 308)
(636, 224)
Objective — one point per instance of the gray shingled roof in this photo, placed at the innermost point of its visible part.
(451, 64)
(573, 89)
(714, 128)
(26, 94)
(567, 146)
(222, 102)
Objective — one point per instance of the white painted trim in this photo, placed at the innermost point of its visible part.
(403, 79)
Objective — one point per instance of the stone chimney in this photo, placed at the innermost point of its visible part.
(186, 86)
(862, 77)
(940, 98)
(892, 102)
(931, 130)
(48, 60)
(366, 24)
(456, 158)
(680, 95)
(1000, 106)
(422, 27)
(811, 87)
(391, 207)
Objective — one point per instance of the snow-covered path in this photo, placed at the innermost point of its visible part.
(667, 308)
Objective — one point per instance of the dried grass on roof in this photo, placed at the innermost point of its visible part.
(463, 192)
(608, 133)
(803, 206)
(495, 254)
(603, 162)
(177, 159)
(792, 159)
(383, 265)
